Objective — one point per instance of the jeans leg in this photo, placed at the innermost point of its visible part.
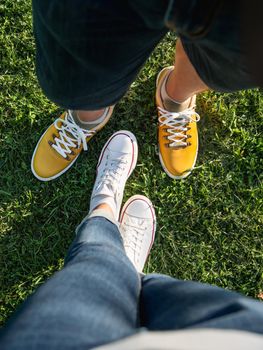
(167, 303)
(93, 300)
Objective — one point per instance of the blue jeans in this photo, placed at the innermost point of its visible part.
(98, 297)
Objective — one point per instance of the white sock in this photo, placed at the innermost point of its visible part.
(103, 195)
(102, 199)
(104, 213)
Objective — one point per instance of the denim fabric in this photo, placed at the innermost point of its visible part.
(89, 52)
(167, 303)
(93, 300)
(98, 297)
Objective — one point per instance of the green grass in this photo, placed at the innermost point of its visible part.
(209, 225)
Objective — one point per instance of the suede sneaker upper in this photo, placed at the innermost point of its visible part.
(60, 146)
(177, 132)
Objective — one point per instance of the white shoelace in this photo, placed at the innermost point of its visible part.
(70, 136)
(112, 172)
(133, 236)
(177, 125)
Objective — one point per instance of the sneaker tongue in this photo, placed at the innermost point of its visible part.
(105, 190)
(116, 155)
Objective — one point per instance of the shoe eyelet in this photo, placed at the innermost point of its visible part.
(50, 143)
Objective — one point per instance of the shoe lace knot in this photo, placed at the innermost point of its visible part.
(177, 124)
(70, 135)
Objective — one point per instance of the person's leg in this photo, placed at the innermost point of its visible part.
(91, 301)
(89, 116)
(84, 64)
(170, 304)
(88, 61)
(177, 131)
(204, 59)
(183, 81)
(94, 299)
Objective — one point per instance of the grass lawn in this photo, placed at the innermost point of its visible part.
(209, 225)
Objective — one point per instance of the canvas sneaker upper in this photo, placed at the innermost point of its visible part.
(117, 161)
(177, 132)
(60, 145)
(137, 227)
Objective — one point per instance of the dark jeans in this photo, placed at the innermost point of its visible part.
(89, 52)
(98, 297)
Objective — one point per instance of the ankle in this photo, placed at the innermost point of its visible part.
(176, 94)
(105, 207)
(89, 116)
(103, 210)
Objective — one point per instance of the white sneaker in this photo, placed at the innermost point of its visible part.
(117, 161)
(137, 227)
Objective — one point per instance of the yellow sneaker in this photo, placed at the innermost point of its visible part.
(177, 132)
(61, 144)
